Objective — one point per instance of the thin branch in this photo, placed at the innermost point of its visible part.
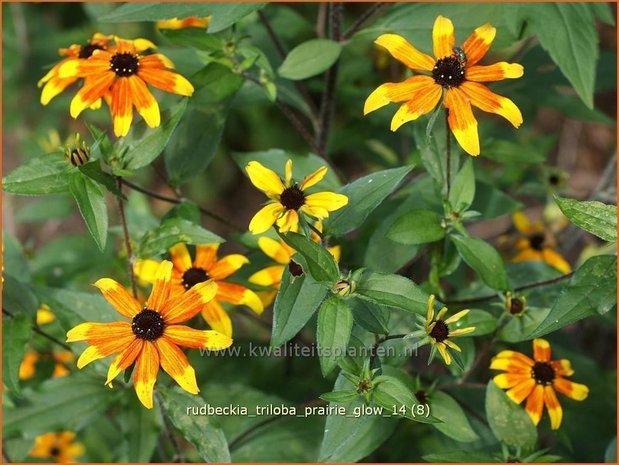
(5, 454)
(39, 331)
(448, 151)
(374, 349)
(167, 428)
(367, 14)
(164, 198)
(123, 220)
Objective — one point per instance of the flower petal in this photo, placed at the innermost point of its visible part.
(156, 61)
(444, 353)
(535, 404)
(206, 255)
(478, 43)
(145, 374)
(528, 255)
(555, 412)
(314, 178)
(562, 367)
(573, 390)
(239, 295)
(457, 316)
(144, 102)
(116, 294)
(404, 52)
(265, 179)
(430, 314)
(124, 360)
(488, 101)
(122, 107)
(461, 120)
(422, 102)
(520, 358)
(97, 333)
(443, 38)
(196, 339)
(270, 276)
(217, 318)
(146, 270)
(462, 331)
(227, 266)
(184, 306)
(174, 362)
(396, 92)
(495, 72)
(521, 390)
(329, 201)
(93, 89)
(289, 221)
(53, 87)
(167, 81)
(288, 173)
(522, 222)
(509, 380)
(266, 217)
(160, 293)
(180, 257)
(555, 260)
(104, 349)
(277, 250)
(541, 350)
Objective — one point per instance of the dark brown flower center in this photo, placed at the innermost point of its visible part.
(448, 72)
(148, 324)
(363, 386)
(422, 396)
(54, 451)
(295, 269)
(543, 373)
(292, 198)
(124, 64)
(553, 179)
(516, 306)
(194, 276)
(440, 332)
(87, 50)
(537, 241)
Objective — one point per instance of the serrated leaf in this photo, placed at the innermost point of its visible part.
(141, 428)
(364, 195)
(462, 190)
(333, 332)
(392, 290)
(309, 59)
(173, 231)
(592, 216)
(370, 315)
(91, 203)
(454, 424)
(592, 290)
(93, 171)
(47, 174)
(16, 333)
(484, 259)
(320, 263)
(417, 227)
(391, 393)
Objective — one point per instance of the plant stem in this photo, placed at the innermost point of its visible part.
(5, 454)
(373, 350)
(448, 151)
(367, 14)
(123, 220)
(39, 331)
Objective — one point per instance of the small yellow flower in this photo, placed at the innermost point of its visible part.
(454, 74)
(152, 337)
(45, 315)
(187, 273)
(536, 380)
(192, 21)
(60, 447)
(288, 198)
(537, 244)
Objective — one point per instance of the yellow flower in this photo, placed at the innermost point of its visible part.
(537, 244)
(452, 74)
(187, 274)
(438, 332)
(536, 380)
(288, 198)
(152, 337)
(45, 315)
(60, 447)
(192, 21)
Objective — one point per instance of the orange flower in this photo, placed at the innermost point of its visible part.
(187, 274)
(60, 447)
(152, 337)
(121, 73)
(192, 21)
(53, 84)
(536, 380)
(454, 74)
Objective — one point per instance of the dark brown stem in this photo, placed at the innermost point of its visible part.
(164, 198)
(367, 14)
(123, 220)
(39, 331)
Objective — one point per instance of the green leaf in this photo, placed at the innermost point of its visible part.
(141, 431)
(508, 420)
(340, 397)
(184, 210)
(320, 263)
(144, 144)
(225, 15)
(492, 202)
(208, 440)
(42, 175)
(592, 216)
(417, 227)
(172, 231)
(392, 290)
(567, 31)
(18, 297)
(460, 456)
(462, 190)
(454, 424)
(391, 393)
(364, 195)
(309, 59)
(484, 259)
(93, 171)
(333, 332)
(592, 290)
(13, 258)
(81, 399)
(370, 316)
(484, 322)
(203, 122)
(91, 203)
(602, 11)
(16, 333)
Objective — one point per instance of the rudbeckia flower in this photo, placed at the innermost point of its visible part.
(120, 74)
(60, 447)
(288, 198)
(53, 84)
(192, 21)
(45, 315)
(536, 380)
(454, 74)
(27, 368)
(153, 334)
(187, 274)
(537, 244)
(438, 333)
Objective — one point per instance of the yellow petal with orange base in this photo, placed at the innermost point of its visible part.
(535, 403)
(555, 412)
(422, 102)
(397, 92)
(184, 306)
(227, 266)
(217, 318)
(93, 89)
(104, 349)
(174, 362)
(179, 254)
(404, 52)
(443, 38)
(521, 390)
(509, 380)
(494, 72)
(117, 295)
(196, 339)
(144, 102)
(461, 120)
(488, 101)
(167, 81)
(160, 293)
(541, 350)
(122, 106)
(573, 390)
(555, 260)
(478, 43)
(145, 374)
(206, 255)
(95, 333)
(239, 295)
(125, 359)
(268, 277)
